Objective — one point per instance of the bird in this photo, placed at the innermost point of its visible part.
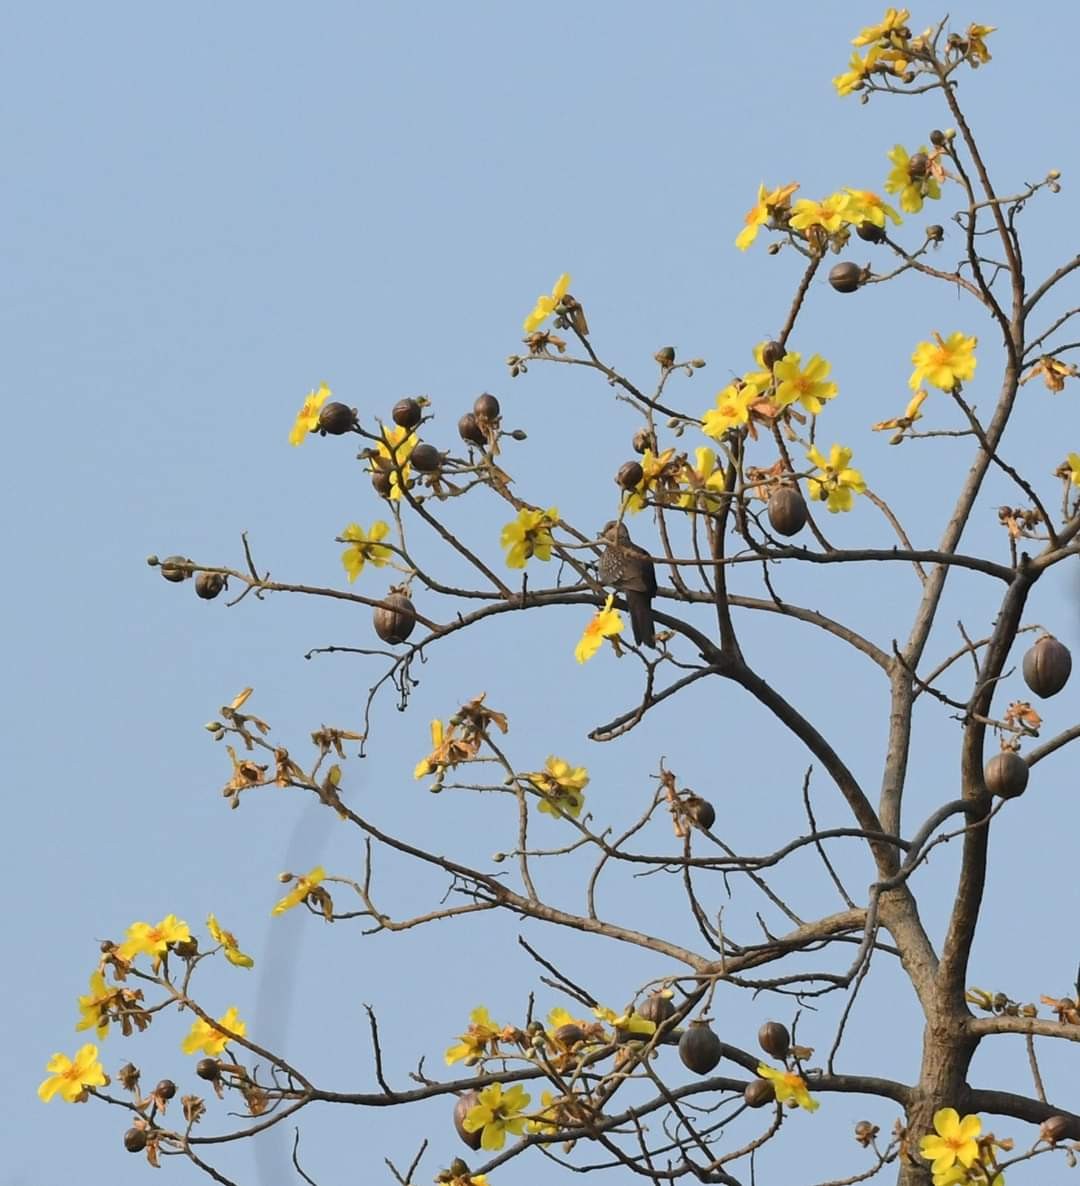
(627, 568)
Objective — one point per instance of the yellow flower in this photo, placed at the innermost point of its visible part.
(606, 624)
(703, 480)
(946, 364)
(657, 470)
(95, 1006)
(546, 305)
(859, 69)
(497, 1114)
(894, 19)
(977, 51)
(143, 939)
(396, 448)
(70, 1077)
(561, 786)
(830, 214)
(529, 535)
(732, 408)
(300, 890)
(789, 1086)
(762, 210)
(364, 547)
(835, 482)
(808, 386)
(205, 1038)
(911, 414)
(228, 940)
(866, 206)
(952, 1141)
(912, 190)
(307, 419)
(631, 1023)
(482, 1037)
(1073, 462)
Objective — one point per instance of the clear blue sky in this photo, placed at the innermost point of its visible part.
(208, 210)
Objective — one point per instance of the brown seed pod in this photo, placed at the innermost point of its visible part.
(870, 232)
(629, 475)
(407, 413)
(1006, 775)
(1055, 1128)
(166, 1089)
(208, 1069)
(470, 431)
(787, 510)
(759, 1092)
(656, 1008)
(426, 459)
(380, 480)
(937, 138)
(774, 1039)
(461, 1109)
(135, 1140)
(644, 439)
(935, 233)
(395, 619)
(699, 1048)
(487, 407)
(917, 165)
(771, 353)
(175, 568)
(569, 1035)
(337, 419)
(209, 584)
(846, 276)
(1047, 667)
(186, 949)
(701, 812)
(665, 356)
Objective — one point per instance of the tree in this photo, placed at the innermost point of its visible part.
(609, 1080)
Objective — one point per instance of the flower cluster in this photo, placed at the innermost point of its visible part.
(820, 223)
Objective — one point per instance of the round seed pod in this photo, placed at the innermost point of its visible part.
(186, 949)
(629, 475)
(937, 138)
(394, 621)
(380, 481)
(469, 430)
(846, 276)
(487, 407)
(701, 812)
(209, 584)
(461, 1109)
(699, 1048)
(917, 165)
(426, 459)
(759, 1092)
(135, 1140)
(935, 233)
(1047, 667)
(407, 413)
(166, 1089)
(870, 232)
(208, 1069)
(569, 1035)
(771, 353)
(1006, 775)
(787, 510)
(656, 1008)
(774, 1039)
(1054, 1129)
(174, 568)
(665, 356)
(337, 419)
(644, 439)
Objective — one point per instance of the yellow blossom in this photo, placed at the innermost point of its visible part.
(69, 1078)
(529, 535)
(867, 206)
(630, 1023)
(911, 414)
(546, 305)
(144, 939)
(205, 1038)
(300, 890)
(912, 189)
(953, 1140)
(561, 786)
(364, 546)
(1073, 462)
(895, 18)
(830, 214)
(768, 201)
(228, 941)
(395, 448)
(732, 408)
(496, 1114)
(808, 386)
(835, 482)
(94, 1007)
(859, 69)
(703, 481)
(976, 38)
(307, 419)
(788, 1086)
(479, 1039)
(658, 471)
(606, 624)
(944, 364)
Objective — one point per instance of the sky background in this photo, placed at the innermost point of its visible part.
(210, 210)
